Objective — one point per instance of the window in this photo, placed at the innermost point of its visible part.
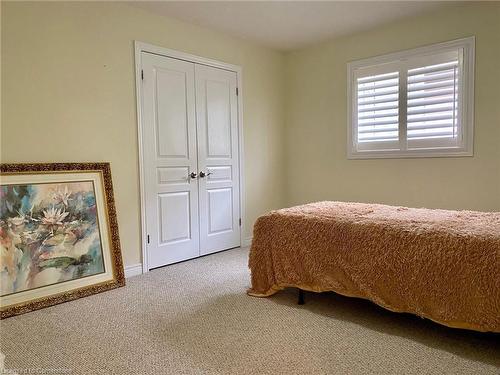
(416, 103)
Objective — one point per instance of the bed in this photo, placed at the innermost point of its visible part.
(438, 264)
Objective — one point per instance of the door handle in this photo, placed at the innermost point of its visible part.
(202, 174)
(193, 175)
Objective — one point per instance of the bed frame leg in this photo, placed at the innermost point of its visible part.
(301, 297)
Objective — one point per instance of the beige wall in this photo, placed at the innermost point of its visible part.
(317, 167)
(68, 94)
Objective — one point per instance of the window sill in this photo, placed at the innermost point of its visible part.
(356, 155)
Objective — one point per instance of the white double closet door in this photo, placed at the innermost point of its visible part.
(190, 159)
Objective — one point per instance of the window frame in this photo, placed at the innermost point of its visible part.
(398, 59)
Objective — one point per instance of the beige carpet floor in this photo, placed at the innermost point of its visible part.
(194, 318)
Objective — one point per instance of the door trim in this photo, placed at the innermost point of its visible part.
(145, 47)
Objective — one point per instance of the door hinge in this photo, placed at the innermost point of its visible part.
(237, 92)
(142, 74)
(240, 221)
(148, 238)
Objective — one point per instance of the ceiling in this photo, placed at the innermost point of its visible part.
(288, 25)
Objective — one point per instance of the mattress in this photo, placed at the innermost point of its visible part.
(438, 264)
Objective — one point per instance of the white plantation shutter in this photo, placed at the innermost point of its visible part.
(432, 105)
(378, 109)
(413, 103)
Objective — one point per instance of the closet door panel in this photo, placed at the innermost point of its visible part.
(170, 156)
(218, 119)
(217, 124)
(172, 124)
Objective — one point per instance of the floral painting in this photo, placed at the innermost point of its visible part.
(49, 233)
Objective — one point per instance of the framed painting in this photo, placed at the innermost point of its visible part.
(58, 234)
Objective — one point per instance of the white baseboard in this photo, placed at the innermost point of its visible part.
(133, 270)
(246, 242)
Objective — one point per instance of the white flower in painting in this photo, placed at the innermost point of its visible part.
(62, 196)
(54, 216)
(18, 220)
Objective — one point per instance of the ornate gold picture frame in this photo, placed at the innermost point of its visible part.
(59, 236)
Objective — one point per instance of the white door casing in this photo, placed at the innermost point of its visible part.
(169, 157)
(218, 158)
